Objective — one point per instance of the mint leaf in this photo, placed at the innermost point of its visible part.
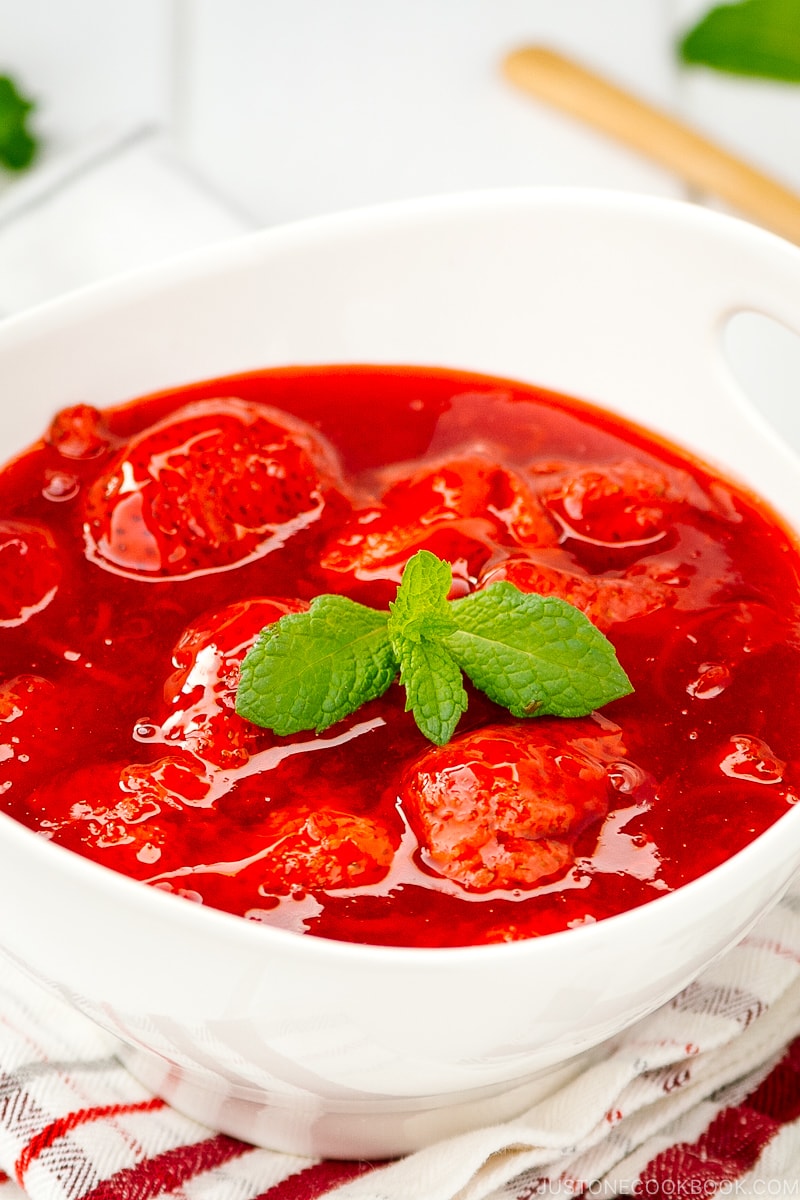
(420, 617)
(752, 37)
(17, 146)
(434, 689)
(421, 608)
(311, 669)
(535, 655)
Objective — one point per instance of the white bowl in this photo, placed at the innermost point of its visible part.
(335, 1049)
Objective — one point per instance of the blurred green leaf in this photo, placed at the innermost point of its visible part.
(17, 145)
(752, 37)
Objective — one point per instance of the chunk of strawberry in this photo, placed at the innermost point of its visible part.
(616, 504)
(30, 571)
(216, 484)
(284, 856)
(322, 849)
(460, 508)
(133, 817)
(201, 692)
(504, 807)
(641, 590)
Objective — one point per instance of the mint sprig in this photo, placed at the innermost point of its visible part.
(534, 655)
(420, 623)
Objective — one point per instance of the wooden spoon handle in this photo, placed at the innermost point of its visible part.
(574, 89)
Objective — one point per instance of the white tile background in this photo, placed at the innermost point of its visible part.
(294, 106)
(167, 123)
(363, 100)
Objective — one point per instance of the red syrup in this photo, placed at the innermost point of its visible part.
(142, 548)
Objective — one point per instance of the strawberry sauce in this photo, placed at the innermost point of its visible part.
(142, 548)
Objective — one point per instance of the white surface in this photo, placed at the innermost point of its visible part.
(325, 1048)
(281, 110)
(111, 206)
(306, 108)
(91, 67)
(758, 119)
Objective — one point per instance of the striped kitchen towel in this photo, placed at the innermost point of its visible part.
(701, 1098)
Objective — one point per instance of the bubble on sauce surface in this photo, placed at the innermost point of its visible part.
(712, 680)
(79, 432)
(750, 758)
(60, 486)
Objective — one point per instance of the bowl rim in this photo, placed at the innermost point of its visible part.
(237, 248)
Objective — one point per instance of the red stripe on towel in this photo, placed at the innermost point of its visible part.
(161, 1174)
(733, 1142)
(62, 1126)
(313, 1182)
